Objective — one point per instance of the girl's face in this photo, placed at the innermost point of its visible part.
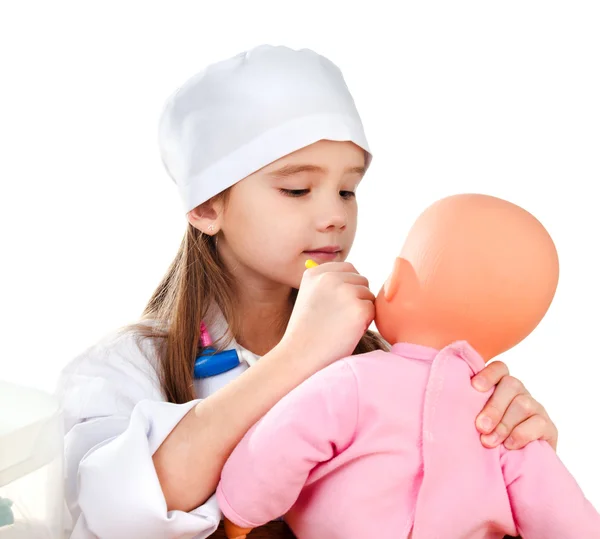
(299, 207)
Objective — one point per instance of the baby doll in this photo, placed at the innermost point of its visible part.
(384, 444)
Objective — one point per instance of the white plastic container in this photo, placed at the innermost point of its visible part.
(31, 464)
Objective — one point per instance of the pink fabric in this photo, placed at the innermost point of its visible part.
(383, 444)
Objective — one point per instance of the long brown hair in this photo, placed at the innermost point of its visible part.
(195, 280)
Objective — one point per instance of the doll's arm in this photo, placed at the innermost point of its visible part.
(264, 475)
(546, 500)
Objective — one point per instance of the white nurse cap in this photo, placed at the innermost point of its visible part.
(241, 114)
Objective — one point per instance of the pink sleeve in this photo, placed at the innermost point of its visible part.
(264, 475)
(546, 501)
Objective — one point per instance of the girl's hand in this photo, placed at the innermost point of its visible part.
(511, 416)
(333, 310)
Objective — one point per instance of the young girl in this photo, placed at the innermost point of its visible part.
(267, 150)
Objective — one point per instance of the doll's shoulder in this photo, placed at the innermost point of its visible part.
(377, 360)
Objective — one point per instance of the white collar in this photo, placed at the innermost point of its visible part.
(217, 328)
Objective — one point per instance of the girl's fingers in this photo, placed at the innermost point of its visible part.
(537, 427)
(498, 404)
(490, 376)
(522, 408)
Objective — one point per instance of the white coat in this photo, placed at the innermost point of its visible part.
(115, 419)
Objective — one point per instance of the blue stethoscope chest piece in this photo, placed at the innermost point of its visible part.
(212, 363)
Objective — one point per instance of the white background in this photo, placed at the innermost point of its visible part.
(499, 98)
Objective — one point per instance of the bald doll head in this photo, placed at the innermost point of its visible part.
(474, 268)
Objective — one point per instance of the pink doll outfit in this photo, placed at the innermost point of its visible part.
(385, 444)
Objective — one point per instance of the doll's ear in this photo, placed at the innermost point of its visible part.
(402, 279)
(390, 288)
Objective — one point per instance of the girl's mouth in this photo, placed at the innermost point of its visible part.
(324, 254)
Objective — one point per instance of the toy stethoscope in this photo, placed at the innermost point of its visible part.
(210, 362)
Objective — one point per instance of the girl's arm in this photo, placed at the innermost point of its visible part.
(333, 310)
(190, 460)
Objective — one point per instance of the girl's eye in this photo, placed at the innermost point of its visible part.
(295, 192)
(347, 194)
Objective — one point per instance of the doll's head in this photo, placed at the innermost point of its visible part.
(474, 268)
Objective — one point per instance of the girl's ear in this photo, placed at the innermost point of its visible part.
(207, 217)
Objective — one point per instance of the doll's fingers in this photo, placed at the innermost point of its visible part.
(499, 403)
(522, 407)
(490, 376)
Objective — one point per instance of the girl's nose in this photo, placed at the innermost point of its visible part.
(334, 216)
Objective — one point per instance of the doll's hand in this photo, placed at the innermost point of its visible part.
(232, 531)
(514, 417)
